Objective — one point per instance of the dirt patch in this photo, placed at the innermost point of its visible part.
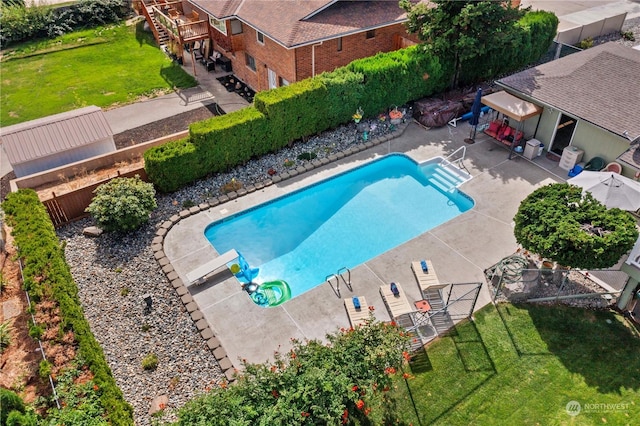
(85, 178)
(19, 363)
(167, 126)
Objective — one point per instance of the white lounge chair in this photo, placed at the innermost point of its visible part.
(397, 305)
(426, 279)
(199, 275)
(357, 316)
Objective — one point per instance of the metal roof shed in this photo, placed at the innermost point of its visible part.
(49, 142)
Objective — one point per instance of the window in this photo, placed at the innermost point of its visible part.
(282, 81)
(236, 27)
(340, 44)
(250, 60)
(218, 25)
(260, 37)
(370, 34)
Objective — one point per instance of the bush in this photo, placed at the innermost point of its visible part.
(44, 267)
(150, 362)
(122, 204)
(36, 331)
(5, 335)
(587, 43)
(9, 401)
(44, 369)
(313, 383)
(19, 22)
(288, 113)
(17, 418)
(557, 222)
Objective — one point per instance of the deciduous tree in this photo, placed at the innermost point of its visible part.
(461, 31)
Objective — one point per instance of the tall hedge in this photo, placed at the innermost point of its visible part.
(215, 145)
(46, 272)
(285, 114)
(530, 38)
(294, 111)
(289, 113)
(395, 78)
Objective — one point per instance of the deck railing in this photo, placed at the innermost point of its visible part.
(183, 31)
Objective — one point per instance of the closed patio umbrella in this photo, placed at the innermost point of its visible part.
(610, 189)
(475, 116)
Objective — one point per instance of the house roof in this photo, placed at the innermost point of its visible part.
(56, 133)
(294, 23)
(599, 85)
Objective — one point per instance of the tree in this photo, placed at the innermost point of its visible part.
(558, 222)
(462, 31)
(122, 204)
(313, 383)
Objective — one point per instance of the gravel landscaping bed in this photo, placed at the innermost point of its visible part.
(115, 272)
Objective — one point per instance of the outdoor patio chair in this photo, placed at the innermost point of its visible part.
(425, 279)
(595, 164)
(396, 305)
(357, 315)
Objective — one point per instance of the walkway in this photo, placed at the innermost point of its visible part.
(460, 249)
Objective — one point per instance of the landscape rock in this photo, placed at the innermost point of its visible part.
(92, 231)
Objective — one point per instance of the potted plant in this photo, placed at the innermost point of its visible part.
(358, 115)
(395, 116)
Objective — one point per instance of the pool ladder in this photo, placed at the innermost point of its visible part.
(340, 276)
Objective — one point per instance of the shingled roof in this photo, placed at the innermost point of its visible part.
(294, 23)
(600, 85)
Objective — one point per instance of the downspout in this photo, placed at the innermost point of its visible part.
(313, 58)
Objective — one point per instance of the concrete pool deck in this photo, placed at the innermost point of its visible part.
(461, 249)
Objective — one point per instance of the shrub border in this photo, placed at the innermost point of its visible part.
(45, 266)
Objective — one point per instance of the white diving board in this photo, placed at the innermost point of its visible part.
(199, 274)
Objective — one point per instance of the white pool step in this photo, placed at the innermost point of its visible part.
(446, 178)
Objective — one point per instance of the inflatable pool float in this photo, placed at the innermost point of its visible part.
(272, 293)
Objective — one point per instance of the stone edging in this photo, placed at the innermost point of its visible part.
(157, 243)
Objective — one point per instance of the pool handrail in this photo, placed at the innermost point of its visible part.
(459, 160)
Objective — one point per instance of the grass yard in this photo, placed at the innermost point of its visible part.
(103, 66)
(521, 365)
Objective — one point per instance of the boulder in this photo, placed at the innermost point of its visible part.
(92, 231)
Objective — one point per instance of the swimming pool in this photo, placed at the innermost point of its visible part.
(342, 221)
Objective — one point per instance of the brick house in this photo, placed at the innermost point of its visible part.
(272, 43)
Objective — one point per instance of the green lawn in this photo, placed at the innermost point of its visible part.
(103, 67)
(521, 365)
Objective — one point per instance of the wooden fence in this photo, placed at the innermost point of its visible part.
(71, 206)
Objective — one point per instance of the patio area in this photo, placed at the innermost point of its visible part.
(460, 249)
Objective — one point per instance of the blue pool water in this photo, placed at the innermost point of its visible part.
(342, 221)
